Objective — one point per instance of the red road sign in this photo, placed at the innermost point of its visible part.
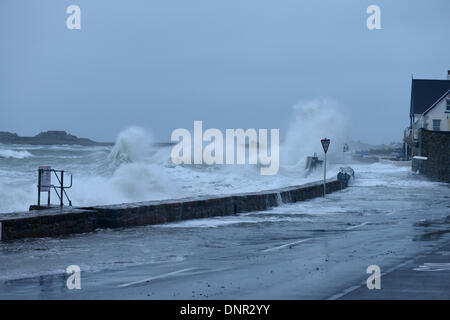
(325, 144)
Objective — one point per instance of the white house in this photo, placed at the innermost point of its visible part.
(429, 109)
(430, 104)
(437, 116)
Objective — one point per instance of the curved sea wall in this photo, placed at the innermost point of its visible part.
(71, 220)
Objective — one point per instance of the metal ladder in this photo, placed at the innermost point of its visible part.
(44, 185)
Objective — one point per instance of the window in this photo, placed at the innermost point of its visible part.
(448, 104)
(436, 125)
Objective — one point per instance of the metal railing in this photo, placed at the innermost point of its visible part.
(46, 188)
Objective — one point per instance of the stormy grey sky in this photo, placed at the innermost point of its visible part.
(161, 64)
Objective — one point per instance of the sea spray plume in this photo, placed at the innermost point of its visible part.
(140, 182)
(127, 183)
(133, 144)
(311, 121)
(13, 197)
(133, 173)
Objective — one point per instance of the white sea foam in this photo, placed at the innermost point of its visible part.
(16, 197)
(6, 153)
(232, 220)
(134, 170)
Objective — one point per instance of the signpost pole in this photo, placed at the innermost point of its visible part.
(325, 144)
(39, 186)
(324, 175)
(62, 189)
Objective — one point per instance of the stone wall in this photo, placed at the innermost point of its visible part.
(435, 145)
(69, 220)
(155, 212)
(47, 223)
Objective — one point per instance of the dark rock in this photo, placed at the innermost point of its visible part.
(48, 138)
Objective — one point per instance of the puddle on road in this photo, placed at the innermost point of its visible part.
(431, 266)
(431, 236)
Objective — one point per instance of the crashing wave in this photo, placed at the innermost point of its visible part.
(133, 144)
(311, 121)
(14, 154)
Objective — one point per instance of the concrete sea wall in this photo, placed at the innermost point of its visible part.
(71, 220)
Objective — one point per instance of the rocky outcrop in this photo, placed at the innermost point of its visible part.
(48, 138)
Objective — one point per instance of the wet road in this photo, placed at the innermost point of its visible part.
(317, 249)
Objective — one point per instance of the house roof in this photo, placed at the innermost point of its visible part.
(424, 93)
(437, 101)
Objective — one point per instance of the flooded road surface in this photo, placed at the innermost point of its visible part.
(316, 249)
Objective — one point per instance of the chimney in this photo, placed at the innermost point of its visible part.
(448, 75)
